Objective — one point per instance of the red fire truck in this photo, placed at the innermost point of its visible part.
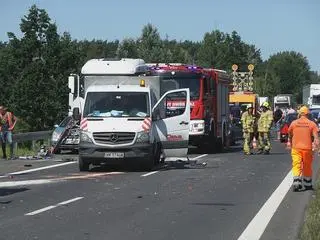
(209, 93)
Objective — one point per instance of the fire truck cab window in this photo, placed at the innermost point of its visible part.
(181, 80)
(205, 86)
(212, 86)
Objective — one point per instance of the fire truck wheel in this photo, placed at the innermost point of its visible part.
(219, 145)
(83, 165)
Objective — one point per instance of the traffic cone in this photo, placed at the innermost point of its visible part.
(254, 143)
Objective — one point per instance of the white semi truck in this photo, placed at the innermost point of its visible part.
(311, 95)
(123, 116)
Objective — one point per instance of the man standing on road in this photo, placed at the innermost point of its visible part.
(7, 124)
(300, 133)
(248, 121)
(278, 116)
(264, 126)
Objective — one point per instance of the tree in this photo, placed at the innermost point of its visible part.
(222, 50)
(39, 64)
(287, 72)
(150, 47)
(127, 49)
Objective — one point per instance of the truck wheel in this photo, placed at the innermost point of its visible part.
(157, 154)
(219, 145)
(148, 164)
(83, 165)
(226, 139)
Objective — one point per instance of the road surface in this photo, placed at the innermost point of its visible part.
(216, 196)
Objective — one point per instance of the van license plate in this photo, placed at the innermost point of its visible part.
(114, 155)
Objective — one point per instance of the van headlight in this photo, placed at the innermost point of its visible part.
(142, 137)
(84, 137)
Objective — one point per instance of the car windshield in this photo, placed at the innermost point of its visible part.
(116, 104)
(291, 117)
(191, 81)
(282, 105)
(315, 114)
(316, 99)
(65, 122)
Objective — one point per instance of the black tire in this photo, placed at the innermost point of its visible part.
(157, 154)
(84, 166)
(226, 139)
(148, 164)
(218, 145)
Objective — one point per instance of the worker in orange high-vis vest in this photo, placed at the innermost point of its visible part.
(300, 140)
(7, 124)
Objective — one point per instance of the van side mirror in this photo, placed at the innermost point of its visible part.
(76, 114)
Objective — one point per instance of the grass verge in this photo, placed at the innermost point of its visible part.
(25, 149)
(19, 152)
(311, 228)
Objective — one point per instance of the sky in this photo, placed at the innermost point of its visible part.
(271, 25)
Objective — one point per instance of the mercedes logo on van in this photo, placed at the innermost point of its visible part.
(114, 137)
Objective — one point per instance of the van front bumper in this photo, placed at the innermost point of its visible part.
(97, 154)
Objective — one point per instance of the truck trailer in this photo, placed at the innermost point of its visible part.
(311, 95)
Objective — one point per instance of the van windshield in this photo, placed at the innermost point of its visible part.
(116, 104)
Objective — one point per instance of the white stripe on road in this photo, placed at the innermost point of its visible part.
(258, 224)
(40, 211)
(25, 183)
(53, 206)
(69, 201)
(37, 169)
(195, 158)
(149, 173)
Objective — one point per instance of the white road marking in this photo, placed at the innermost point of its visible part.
(149, 173)
(40, 211)
(259, 223)
(195, 158)
(52, 206)
(69, 201)
(37, 169)
(25, 183)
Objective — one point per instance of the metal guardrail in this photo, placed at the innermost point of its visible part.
(31, 136)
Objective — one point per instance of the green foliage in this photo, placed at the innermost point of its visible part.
(284, 72)
(311, 226)
(220, 50)
(34, 69)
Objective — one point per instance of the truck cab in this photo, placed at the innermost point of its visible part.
(125, 119)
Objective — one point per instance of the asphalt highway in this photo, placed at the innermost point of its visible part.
(214, 196)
